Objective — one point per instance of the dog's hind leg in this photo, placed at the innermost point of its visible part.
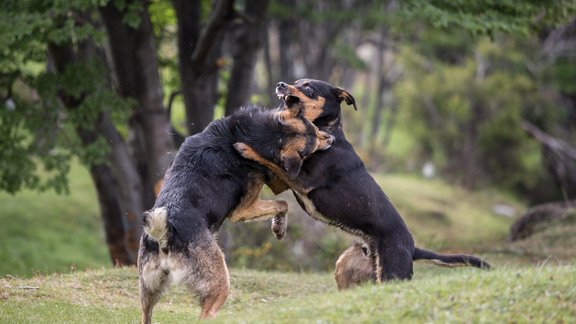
(206, 275)
(393, 261)
(153, 280)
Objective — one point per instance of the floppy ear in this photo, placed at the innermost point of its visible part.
(342, 95)
(292, 162)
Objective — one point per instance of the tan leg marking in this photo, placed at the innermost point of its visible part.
(249, 153)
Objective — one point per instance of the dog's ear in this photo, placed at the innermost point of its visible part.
(290, 112)
(344, 95)
(292, 162)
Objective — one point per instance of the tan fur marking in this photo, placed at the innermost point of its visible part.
(313, 108)
(353, 268)
(294, 145)
(249, 153)
(296, 125)
(276, 185)
(324, 140)
(157, 225)
(158, 186)
(252, 208)
(259, 210)
(444, 264)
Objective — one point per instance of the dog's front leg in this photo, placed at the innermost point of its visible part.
(279, 226)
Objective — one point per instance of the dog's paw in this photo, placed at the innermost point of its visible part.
(279, 226)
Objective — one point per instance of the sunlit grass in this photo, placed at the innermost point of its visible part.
(444, 216)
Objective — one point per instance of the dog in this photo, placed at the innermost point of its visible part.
(207, 183)
(334, 186)
(356, 265)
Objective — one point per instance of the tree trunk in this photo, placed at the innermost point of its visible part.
(198, 53)
(136, 68)
(247, 43)
(287, 39)
(118, 186)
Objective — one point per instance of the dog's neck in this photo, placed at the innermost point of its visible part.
(329, 126)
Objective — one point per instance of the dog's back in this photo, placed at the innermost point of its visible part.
(208, 182)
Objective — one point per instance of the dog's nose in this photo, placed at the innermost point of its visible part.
(281, 85)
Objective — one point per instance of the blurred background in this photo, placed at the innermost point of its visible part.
(467, 119)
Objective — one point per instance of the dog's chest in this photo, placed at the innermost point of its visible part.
(310, 208)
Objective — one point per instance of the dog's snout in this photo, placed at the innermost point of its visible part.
(281, 85)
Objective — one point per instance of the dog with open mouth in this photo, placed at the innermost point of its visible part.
(334, 187)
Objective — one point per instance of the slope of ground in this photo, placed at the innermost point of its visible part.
(509, 294)
(48, 233)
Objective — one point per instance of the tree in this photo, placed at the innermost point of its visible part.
(100, 97)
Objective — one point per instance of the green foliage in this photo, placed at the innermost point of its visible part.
(28, 146)
(27, 27)
(466, 113)
(491, 16)
(41, 131)
(40, 135)
(162, 16)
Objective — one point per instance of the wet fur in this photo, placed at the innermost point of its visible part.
(207, 183)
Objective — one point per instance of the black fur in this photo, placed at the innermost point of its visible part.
(344, 193)
(208, 177)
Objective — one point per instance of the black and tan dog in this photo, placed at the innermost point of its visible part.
(207, 183)
(335, 187)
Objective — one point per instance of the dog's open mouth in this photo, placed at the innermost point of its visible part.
(289, 100)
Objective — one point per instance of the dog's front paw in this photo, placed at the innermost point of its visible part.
(279, 226)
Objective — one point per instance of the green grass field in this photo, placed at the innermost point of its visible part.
(47, 240)
(505, 295)
(46, 232)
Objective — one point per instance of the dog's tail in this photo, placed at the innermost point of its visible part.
(450, 260)
(156, 225)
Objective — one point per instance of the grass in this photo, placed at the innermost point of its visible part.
(442, 216)
(555, 240)
(50, 233)
(46, 232)
(508, 294)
